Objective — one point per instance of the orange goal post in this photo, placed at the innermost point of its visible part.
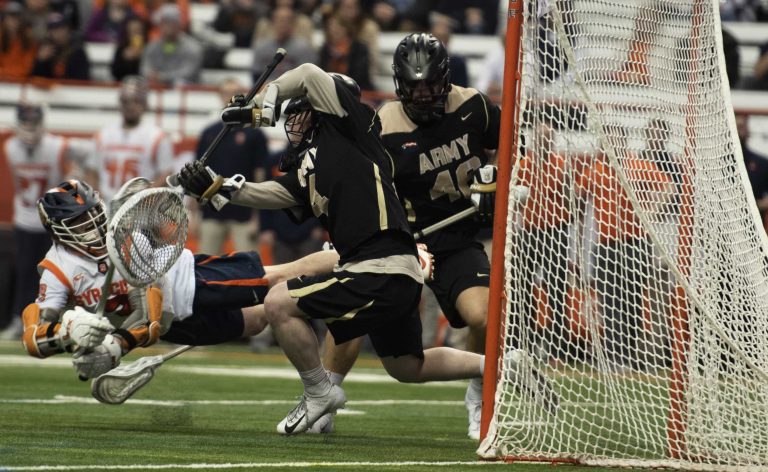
(628, 316)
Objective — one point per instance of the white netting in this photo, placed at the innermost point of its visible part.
(147, 235)
(636, 271)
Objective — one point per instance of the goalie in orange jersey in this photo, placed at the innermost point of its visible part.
(202, 300)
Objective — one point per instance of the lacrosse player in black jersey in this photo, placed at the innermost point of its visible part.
(338, 171)
(439, 136)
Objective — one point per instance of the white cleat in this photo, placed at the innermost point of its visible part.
(310, 409)
(324, 425)
(473, 400)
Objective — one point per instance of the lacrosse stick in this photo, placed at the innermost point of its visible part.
(276, 59)
(519, 194)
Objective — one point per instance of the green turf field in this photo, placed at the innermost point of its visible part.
(216, 409)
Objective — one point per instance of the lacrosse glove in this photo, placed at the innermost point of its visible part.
(83, 328)
(239, 113)
(206, 186)
(483, 192)
(104, 357)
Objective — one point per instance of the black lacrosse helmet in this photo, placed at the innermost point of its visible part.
(301, 122)
(73, 213)
(422, 77)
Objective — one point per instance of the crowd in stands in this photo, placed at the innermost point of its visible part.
(45, 38)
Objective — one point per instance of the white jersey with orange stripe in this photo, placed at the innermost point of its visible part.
(124, 153)
(37, 169)
(67, 278)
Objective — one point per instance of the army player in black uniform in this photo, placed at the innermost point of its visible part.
(340, 173)
(439, 136)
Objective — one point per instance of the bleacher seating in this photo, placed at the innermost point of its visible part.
(187, 111)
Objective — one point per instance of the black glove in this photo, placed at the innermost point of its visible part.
(199, 181)
(483, 192)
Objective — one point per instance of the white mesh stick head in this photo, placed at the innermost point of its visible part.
(147, 234)
(117, 385)
(127, 190)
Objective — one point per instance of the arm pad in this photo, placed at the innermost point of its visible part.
(41, 328)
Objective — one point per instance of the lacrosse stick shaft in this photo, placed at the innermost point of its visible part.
(106, 288)
(446, 222)
(276, 59)
(176, 352)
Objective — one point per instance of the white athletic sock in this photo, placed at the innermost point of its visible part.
(316, 382)
(336, 378)
(482, 366)
(476, 384)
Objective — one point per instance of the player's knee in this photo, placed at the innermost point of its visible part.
(276, 304)
(404, 369)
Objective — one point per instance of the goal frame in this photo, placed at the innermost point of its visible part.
(508, 143)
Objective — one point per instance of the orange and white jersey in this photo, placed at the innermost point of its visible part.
(67, 279)
(35, 171)
(124, 153)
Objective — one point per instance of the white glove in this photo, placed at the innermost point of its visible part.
(104, 357)
(427, 261)
(83, 328)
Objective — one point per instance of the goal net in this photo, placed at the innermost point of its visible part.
(634, 275)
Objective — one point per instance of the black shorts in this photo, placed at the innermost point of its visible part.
(384, 306)
(206, 328)
(455, 272)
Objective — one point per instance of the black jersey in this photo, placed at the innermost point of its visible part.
(434, 164)
(345, 180)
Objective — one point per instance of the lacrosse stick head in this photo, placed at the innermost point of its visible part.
(147, 235)
(120, 383)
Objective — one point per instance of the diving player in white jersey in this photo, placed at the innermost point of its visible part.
(202, 300)
(131, 148)
(37, 161)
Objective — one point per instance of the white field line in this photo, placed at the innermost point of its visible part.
(250, 465)
(252, 372)
(66, 399)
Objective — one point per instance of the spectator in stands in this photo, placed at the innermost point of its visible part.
(238, 17)
(759, 79)
(40, 10)
(37, 160)
(299, 50)
(389, 14)
(442, 28)
(132, 147)
(108, 23)
(241, 151)
(743, 10)
(756, 164)
(303, 25)
(174, 58)
(17, 46)
(146, 9)
(62, 55)
(363, 28)
(129, 50)
(342, 53)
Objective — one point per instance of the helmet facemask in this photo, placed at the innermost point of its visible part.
(85, 233)
(423, 102)
(300, 123)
